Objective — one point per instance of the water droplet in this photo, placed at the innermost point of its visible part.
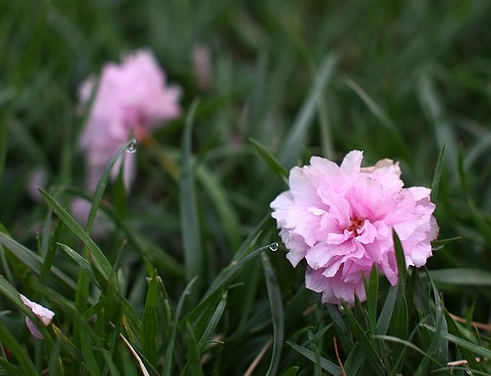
(132, 146)
(340, 309)
(274, 247)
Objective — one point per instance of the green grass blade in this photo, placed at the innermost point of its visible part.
(82, 263)
(68, 345)
(169, 352)
(149, 322)
(464, 344)
(3, 149)
(213, 322)
(295, 138)
(18, 350)
(270, 159)
(387, 311)
(437, 175)
(401, 262)
(344, 334)
(365, 342)
(221, 201)
(276, 305)
(35, 262)
(9, 368)
(433, 108)
(193, 256)
(100, 260)
(292, 371)
(326, 365)
(193, 353)
(461, 277)
(408, 345)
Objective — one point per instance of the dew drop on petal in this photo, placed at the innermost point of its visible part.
(274, 247)
(132, 146)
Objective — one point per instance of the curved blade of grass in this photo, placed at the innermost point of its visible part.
(401, 262)
(276, 305)
(483, 226)
(100, 260)
(344, 335)
(438, 347)
(169, 352)
(149, 322)
(292, 371)
(377, 111)
(296, 137)
(34, 262)
(11, 369)
(221, 201)
(365, 343)
(270, 159)
(223, 280)
(68, 345)
(193, 353)
(407, 344)
(461, 277)
(136, 356)
(82, 263)
(18, 350)
(463, 343)
(213, 322)
(326, 365)
(3, 149)
(433, 108)
(387, 311)
(437, 175)
(193, 256)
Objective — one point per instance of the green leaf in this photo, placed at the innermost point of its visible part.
(401, 262)
(461, 277)
(213, 322)
(169, 352)
(100, 260)
(379, 114)
(464, 344)
(365, 342)
(149, 322)
(276, 306)
(193, 353)
(34, 262)
(326, 365)
(82, 263)
(270, 159)
(295, 138)
(437, 175)
(385, 317)
(292, 371)
(193, 254)
(435, 113)
(221, 200)
(18, 351)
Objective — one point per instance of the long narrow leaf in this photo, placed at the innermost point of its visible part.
(276, 306)
(193, 255)
(295, 138)
(326, 365)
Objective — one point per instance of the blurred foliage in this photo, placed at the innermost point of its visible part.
(396, 79)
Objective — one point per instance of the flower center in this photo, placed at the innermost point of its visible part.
(355, 225)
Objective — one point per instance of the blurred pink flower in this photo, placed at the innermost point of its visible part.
(44, 315)
(129, 100)
(340, 220)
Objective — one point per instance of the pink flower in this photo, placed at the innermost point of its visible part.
(340, 220)
(131, 100)
(44, 315)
